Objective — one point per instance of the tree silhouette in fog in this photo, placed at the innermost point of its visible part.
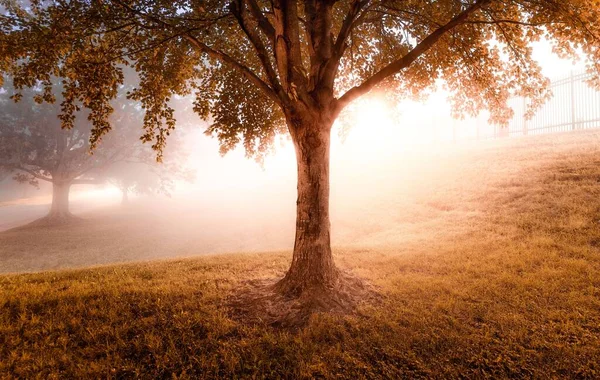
(34, 148)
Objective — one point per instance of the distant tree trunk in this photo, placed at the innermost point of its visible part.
(125, 197)
(312, 265)
(60, 201)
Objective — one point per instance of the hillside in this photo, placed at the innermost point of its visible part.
(487, 259)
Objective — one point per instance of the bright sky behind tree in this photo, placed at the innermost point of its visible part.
(420, 125)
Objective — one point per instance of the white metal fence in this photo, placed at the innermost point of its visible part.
(574, 106)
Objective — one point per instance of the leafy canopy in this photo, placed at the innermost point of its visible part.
(255, 66)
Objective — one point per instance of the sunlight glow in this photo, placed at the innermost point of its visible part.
(376, 136)
(380, 131)
(85, 193)
(373, 127)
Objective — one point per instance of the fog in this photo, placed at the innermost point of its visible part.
(385, 175)
(252, 207)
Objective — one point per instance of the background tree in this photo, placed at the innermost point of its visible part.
(34, 147)
(141, 174)
(261, 67)
(138, 178)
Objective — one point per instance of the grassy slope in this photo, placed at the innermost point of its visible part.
(497, 276)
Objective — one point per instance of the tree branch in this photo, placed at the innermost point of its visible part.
(243, 69)
(347, 25)
(264, 23)
(239, 11)
(287, 44)
(32, 173)
(404, 62)
(340, 43)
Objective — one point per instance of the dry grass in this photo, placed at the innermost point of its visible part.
(498, 275)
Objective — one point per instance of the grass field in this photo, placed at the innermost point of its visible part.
(489, 267)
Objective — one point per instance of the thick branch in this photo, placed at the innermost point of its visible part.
(319, 17)
(347, 25)
(339, 48)
(32, 173)
(287, 44)
(244, 70)
(263, 22)
(239, 11)
(404, 62)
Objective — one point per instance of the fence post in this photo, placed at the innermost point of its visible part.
(573, 121)
(524, 116)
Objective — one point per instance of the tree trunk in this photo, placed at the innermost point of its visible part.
(60, 201)
(312, 265)
(125, 198)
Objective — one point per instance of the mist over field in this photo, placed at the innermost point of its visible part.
(236, 205)
(353, 189)
(388, 199)
(374, 152)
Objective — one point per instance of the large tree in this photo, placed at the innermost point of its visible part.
(259, 68)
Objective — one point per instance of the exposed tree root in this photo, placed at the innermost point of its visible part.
(55, 219)
(264, 302)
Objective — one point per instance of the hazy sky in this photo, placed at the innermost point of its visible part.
(420, 123)
(374, 137)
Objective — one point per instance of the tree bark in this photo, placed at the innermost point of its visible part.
(312, 265)
(60, 201)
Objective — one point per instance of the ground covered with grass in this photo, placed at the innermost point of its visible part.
(499, 276)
